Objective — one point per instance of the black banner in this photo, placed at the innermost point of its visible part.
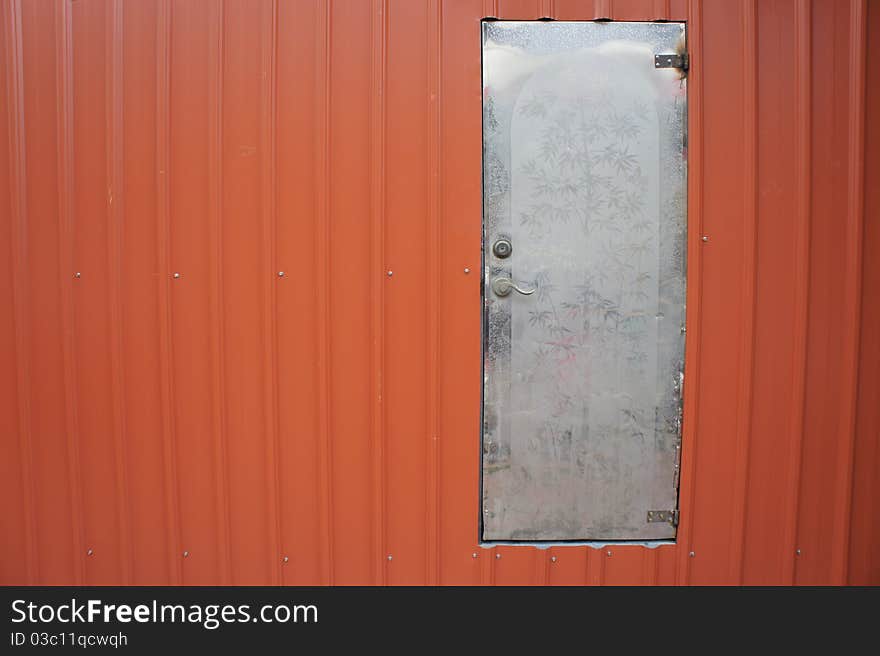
(147, 620)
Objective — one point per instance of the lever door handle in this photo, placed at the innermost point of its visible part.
(503, 287)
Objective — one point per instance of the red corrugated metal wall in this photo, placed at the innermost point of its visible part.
(208, 374)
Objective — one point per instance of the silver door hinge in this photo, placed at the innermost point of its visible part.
(666, 516)
(672, 60)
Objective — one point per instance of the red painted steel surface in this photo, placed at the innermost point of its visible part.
(174, 409)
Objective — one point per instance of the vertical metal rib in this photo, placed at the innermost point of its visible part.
(434, 212)
(651, 566)
(603, 9)
(745, 367)
(163, 134)
(322, 258)
(270, 367)
(662, 9)
(594, 566)
(852, 292)
(19, 234)
(116, 216)
(64, 85)
(487, 567)
(542, 566)
(378, 48)
(218, 323)
(803, 157)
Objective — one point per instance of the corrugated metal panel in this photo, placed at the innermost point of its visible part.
(231, 424)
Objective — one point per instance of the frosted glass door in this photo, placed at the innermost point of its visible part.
(585, 225)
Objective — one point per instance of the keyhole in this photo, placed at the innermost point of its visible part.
(502, 248)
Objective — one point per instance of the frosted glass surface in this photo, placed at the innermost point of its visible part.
(584, 171)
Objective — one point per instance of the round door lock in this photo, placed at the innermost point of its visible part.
(502, 248)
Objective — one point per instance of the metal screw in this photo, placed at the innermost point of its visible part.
(467, 270)
(390, 273)
(498, 556)
(280, 274)
(285, 559)
(797, 552)
(474, 555)
(692, 554)
(77, 275)
(389, 556)
(89, 552)
(608, 553)
(186, 554)
(552, 559)
(176, 275)
(705, 237)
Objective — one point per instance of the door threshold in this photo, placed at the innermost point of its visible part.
(593, 544)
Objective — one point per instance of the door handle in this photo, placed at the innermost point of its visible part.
(503, 287)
